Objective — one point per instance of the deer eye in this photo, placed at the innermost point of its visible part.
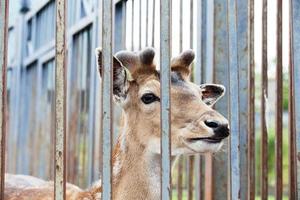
(149, 98)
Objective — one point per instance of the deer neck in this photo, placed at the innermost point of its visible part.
(136, 170)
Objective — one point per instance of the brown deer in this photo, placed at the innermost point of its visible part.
(195, 128)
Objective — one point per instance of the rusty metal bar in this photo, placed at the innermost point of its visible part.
(278, 105)
(264, 96)
(60, 101)
(4, 5)
(165, 54)
(251, 103)
(233, 100)
(107, 103)
(295, 73)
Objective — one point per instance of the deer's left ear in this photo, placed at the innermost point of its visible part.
(121, 77)
(211, 93)
(183, 62)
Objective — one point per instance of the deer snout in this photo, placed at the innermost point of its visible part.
(221, 129)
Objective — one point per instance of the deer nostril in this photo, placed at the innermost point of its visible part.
(211, 124)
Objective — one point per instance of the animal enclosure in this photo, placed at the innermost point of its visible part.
(58, 120)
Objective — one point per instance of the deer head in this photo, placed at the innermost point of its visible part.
(195, 126)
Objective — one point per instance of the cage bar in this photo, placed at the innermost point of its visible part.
(153, 24)
(60, 101)
(295, 73)
(278, 105)
(3, 64)
(233, 100)
(264, 96)
(107, 103)
(251, 102)
(165, 54)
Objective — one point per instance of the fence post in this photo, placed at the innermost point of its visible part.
(3, 64)
(165, 53)
(60, 101)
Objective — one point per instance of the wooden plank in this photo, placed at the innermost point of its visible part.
(60, 102)
(3, 64)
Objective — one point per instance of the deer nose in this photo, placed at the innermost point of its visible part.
(221, 130)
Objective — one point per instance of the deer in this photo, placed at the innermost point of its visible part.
(196, 128)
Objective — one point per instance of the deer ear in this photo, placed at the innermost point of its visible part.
(121, 77)
(211, 93)
(183, 62)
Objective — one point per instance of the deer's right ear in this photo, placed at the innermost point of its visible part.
(121, 77)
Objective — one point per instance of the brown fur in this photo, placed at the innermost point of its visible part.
(136, 157)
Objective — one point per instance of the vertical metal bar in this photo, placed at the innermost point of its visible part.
(181, 159)
(140, 24)
(220, 76)
(264, 95)
(233, 100)
(165, 53)
(191, 159)
(278, 105)
(203, 38)
(107, 105)
(3, 64)
(251, 102)
(60, 101)
(295, 61)
(147, 22)
(153, 24)
(242, 29)
(132, 25)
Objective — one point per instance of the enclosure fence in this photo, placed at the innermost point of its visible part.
(230, 174)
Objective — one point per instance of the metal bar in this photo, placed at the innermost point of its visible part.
(199, 178)
(264, 95)
(3, 64)
(191, 159)
(278, 105)
(251, 102)
(60, 101)
(153, 24)
(203, 39)
(140, 24)
(295, 61)
(181, 159)
(107, 103)
(132, 25)
(165, 54)
(220, 76)
(233, 100)
(242, 34)
(147, 22)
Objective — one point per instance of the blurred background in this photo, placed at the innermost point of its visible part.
(196, 24)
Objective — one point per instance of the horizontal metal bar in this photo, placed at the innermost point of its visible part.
(165, 54)
(4, 5)
(107, 105)
(60, 102)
